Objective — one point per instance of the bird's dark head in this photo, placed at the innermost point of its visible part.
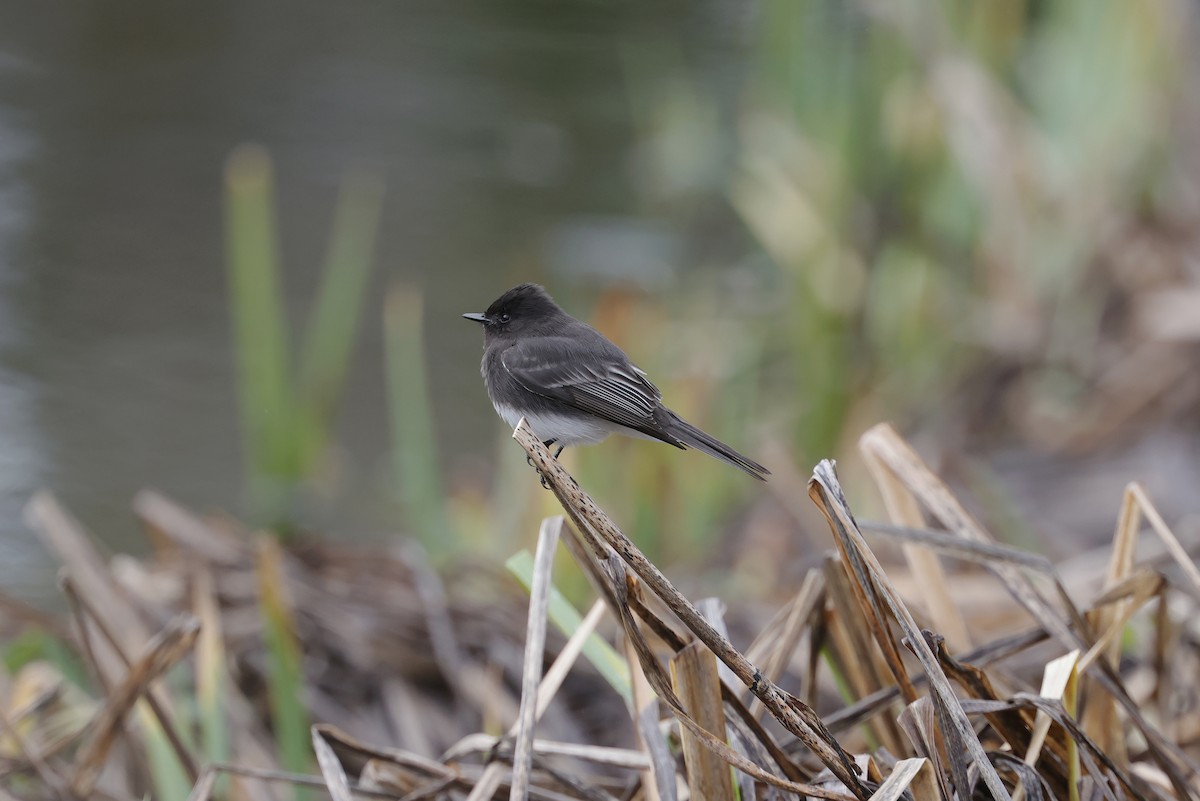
(521, 311)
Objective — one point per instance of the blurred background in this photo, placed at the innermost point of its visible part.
(235, 242)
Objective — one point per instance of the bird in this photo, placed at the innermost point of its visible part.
(573, 385)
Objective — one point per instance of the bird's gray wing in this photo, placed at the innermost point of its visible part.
(605, 384)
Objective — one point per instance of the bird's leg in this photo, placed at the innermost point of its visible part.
(529, 459)
(547, 443)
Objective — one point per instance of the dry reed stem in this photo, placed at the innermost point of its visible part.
(695, 679)
(796, 717)
(1100, 715)
(713, 610)
(185, 529)
(535, 646)
(740, 738)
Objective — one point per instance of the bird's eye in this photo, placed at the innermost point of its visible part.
(504, 318)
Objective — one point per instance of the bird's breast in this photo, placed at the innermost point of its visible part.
(565, 429)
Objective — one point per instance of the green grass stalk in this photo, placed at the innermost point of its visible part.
(259, 330)
(285, 671)
(417, 472)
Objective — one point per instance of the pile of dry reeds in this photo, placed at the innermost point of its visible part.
(1080, 686)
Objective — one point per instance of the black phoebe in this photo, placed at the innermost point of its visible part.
(572, 384)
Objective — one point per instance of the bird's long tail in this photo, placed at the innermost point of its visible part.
(692, 437)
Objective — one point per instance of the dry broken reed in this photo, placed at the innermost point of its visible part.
(1086, 689)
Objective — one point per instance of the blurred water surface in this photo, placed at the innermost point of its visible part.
(505, 134)
(961, 217)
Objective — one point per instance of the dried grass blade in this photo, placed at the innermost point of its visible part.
(943, 506)
(446, 651)
(1166, 535)
(66, 538)
(90, 617)
(778, 640)
(298, 779)
(866, 593)
(1059, 682)
(599, 754)
(1091, 752)
(1129, 596)
(901, 777)
(754, 730)
(490, 780)
(161, 653)
(1010, 725)
(203, 788)
(853, 637)
(713, 610)
(420, 764)
(658, 779)
(903, 508)
(919, 722)
(53, 781)
(968, 550)
(566, 619)
(570, 652)
(907, 467)
(826, 492)
(1029, 780)
(331, 768)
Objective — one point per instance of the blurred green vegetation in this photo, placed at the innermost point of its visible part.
(915, 187)
(287, 421)
(929, 178)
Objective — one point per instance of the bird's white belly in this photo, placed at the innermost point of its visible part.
(565, 430)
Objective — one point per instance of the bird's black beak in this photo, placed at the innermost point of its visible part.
(479, 318)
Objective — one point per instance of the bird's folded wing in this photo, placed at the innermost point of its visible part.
(607, 386)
